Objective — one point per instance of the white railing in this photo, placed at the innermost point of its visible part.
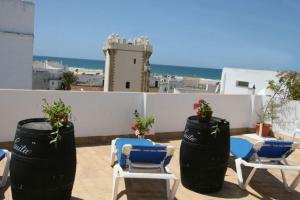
(101, 113)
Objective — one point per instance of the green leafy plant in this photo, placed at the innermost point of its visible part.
(58, 114)
(142, 125)
(69, 78)
(287, 88)
(288, 85)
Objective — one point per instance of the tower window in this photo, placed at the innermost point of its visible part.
(127, 84)
(134, 61)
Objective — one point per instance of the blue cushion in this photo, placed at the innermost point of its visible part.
(120, 142)
(2, 154)
(275, 149)
(143, 151)
(241, 148)
(149, 154)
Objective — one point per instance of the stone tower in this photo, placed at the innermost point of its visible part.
(127, 65)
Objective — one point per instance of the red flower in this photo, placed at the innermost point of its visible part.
(134, 127)
(200, 101)
(196, 106)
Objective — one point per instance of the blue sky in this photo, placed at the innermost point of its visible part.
(201, 33)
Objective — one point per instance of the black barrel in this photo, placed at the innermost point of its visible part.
(203, 155)
(40, 170)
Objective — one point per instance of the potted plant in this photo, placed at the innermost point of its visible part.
(204, 150)
(204, 111)
(44, 155)
(58, 114)
(142, 125)
(287, 88)
(262, 128)
(269, 113)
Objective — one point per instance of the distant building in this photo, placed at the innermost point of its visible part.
(91, 79)
(127, 65)
(190, 82)
(55, 84)
(174, 84)
(154, 81)
(16, 43)
(46, 75)
(245, 81)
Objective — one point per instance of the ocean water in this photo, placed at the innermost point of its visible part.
(207, 73)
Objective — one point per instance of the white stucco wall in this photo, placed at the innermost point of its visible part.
(16, 43)
(94, 113)
(111, 113)
(172, 110)
(17, 16)
(258, 77)
(288, 119)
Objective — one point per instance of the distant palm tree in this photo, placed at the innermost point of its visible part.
(68, 78)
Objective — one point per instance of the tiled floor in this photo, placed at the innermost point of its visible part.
(94, 181)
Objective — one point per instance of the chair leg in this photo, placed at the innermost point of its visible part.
(112, 153)
(284, 180)
(174, 189)
(296, 181)
(239, 173)
(6, 170)
(115, 186)
(249, 177)
(168, 188)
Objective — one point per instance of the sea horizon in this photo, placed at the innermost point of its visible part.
(156, 69)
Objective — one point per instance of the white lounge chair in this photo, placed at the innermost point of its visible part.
(4, 153)
(267, 154)
(141, 158)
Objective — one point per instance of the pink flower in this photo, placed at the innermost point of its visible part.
(200, 101)
(196, 106)
(134, 127)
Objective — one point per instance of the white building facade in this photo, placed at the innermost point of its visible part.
(47, 75)
(16, 43)
(127, 65)
(91, 79)
(245, 81)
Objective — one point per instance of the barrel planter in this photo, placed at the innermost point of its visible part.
(203, 155)
(40, 170)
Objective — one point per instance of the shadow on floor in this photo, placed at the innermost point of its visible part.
(144, 189)
(229, 191)
(3, 189)
(266, 184)
(76, 198)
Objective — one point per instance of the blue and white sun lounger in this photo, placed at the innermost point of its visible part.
(267, 154)
(141, 158)
(4, 153)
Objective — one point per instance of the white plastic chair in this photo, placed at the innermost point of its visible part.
(267, 154)
(4, 153)
(140, 158)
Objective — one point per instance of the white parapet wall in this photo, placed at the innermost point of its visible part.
(172, 110)
(94, 113)
(111, 113)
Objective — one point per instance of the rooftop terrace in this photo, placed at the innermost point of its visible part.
(94, 180)
(99, 116)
